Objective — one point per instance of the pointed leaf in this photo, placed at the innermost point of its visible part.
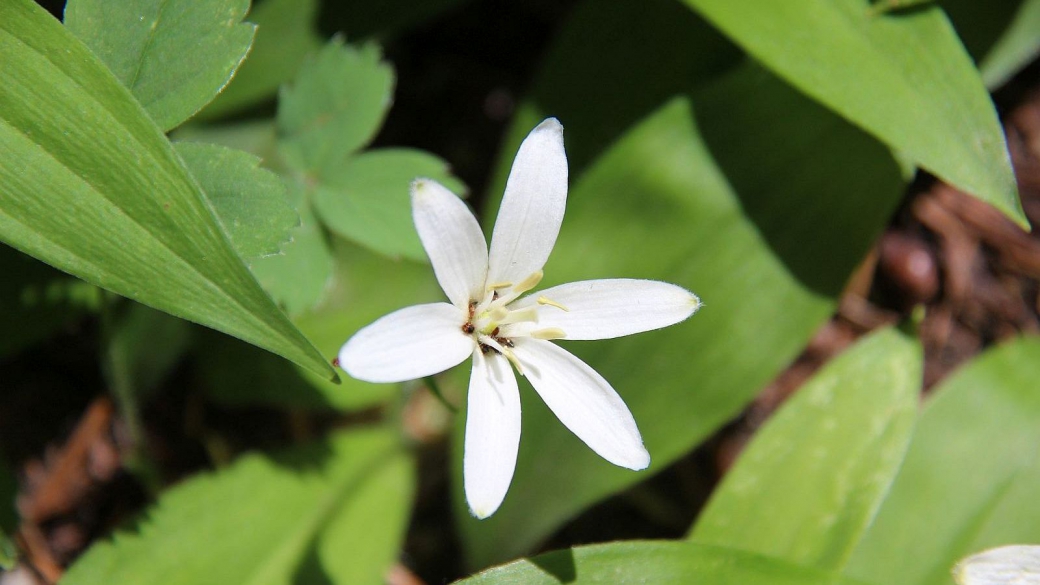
(335, 511)
(366, 199)
(653, 562)
(90, 185)
(811, 480)
(250, 202)
(364, 287)
(704, 199)
(903, 77)
(335, 105)
(971, 475)
(285, 35)
(174, 55)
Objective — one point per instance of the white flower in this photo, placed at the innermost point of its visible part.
(488, 319)
(1003, 565)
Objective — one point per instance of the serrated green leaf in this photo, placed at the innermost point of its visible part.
(298, 277)
(366, 199)
(257, 137)
(335, 105)
(652, 562)
(903, 77)
(90, 185)
(250, 202)
(365, 287)
(174, 55)
(707, 200)
(971, 475)
(811, 480)
(285, 35)
(334, 511)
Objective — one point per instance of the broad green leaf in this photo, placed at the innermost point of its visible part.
(970, 477)
(807, 487)
(331, 512)
(1017, 46)
(91, 186)
(37, 300)
(652, 562)
(903, 77)
(366, 199)
(250, 202)
(297, 278)
(174, 55)
(698, 194)
(335, 105)
(365, 287)
(285, 35)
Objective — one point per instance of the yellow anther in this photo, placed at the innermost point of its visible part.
(498, 285)
(549, 333)
(512, 359)
(528, 283)
(552, 303)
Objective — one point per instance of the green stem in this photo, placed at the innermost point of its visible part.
(431, 383)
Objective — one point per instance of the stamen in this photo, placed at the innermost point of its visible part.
(498, 285)
(528, 283)
(526, 314)
(489, 342)
(552, 303)
(549, 333)
(498, 314)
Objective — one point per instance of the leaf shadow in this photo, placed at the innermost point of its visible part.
(559, 564)
(817, 189)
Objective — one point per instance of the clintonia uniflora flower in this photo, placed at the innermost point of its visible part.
(490, 319)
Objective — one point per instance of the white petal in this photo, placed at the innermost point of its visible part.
(452, 239)
(492, 433)
(603, 309)
(1000, 566)
(583, 401)
(532, 207)
(407, 344)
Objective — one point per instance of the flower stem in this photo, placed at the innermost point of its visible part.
(431, 383)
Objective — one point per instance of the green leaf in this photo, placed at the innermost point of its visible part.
(332, 512)
(37, 300)
(1017, 46)
(704, 199)
(811, 480)
(174, 55)
(250, 202)
(903, 77)
(653, 562)
(257, 137)
(297, 278)
(365, 287)
(285, 35)
(335, 106)
(366, 199)
(90, 185)
(971, 475)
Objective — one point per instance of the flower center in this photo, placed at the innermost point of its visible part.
(493, 325)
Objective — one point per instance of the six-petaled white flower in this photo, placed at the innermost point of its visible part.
(489, 319)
